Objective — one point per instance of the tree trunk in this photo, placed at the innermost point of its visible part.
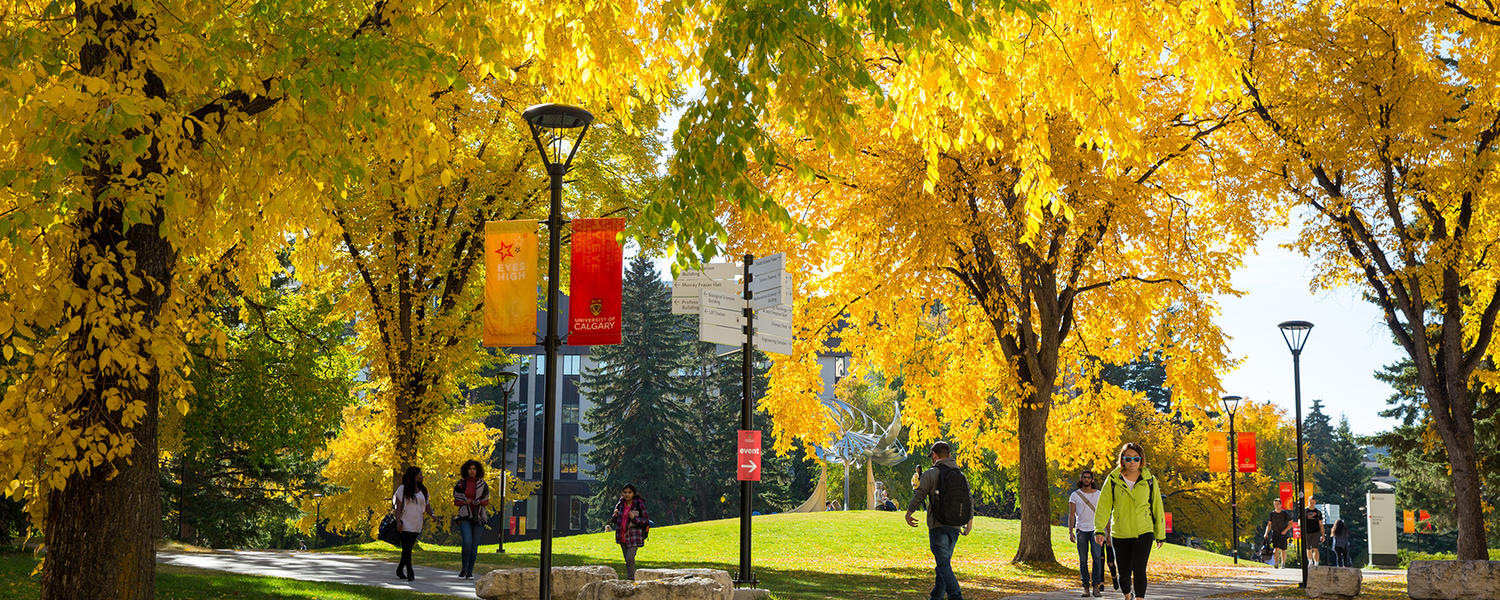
(1457, 433)
(1034, 496)
(101, 529)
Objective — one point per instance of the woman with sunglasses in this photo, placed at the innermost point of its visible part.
(1131, 497)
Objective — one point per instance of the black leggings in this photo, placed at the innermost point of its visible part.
(407, 541)
(1132, 554)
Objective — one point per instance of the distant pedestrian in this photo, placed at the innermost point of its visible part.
(1081, 508)
(411, 503)
(1312, 537)
(950, 513)
(633, 525)
(1278, 531)
(1132, 499)
(1341, 545)
(471, 495)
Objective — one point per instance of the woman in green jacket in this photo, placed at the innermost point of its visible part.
(1132, 499)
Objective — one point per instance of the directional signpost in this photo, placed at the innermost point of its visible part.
(753, 312)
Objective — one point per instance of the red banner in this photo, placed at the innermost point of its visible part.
(1218, 452)
(1287, 493)
(1244, 452)
(747, 459)
(1169, 522)
(509, 283)
(594, 295)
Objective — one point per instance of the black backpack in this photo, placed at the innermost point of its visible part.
(951, 504)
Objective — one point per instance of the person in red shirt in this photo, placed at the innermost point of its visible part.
(631, 525)
(471, 495)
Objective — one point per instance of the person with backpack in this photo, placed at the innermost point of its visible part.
(950, 513)
(410, 502)
(1132, 499)
(632, 525)
(1341, 544)
(1081, 508)
(471, 495)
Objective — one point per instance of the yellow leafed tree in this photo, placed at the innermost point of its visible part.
(1004, 223)
(1381, 120)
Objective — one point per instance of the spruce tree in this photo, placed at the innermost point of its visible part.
(1344, 481)
(638, 413)
(1317, 430)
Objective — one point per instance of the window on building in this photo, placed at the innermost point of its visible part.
(541, 364)
(570, 412)
(575, 514)
(571, 364)
(523, 364)
(570, 465)
(531, 517)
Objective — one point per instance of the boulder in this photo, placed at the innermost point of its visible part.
(1333, 582)
(721, 577)
(1453, 580)
(751, 594)
(672, 588)
(521, 584)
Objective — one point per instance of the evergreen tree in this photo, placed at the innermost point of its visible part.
(638, 411)
(1147, 375)
(1344, 481)
(713, 417)
(1317, 431)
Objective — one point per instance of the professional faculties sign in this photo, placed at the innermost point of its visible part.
(594, 297)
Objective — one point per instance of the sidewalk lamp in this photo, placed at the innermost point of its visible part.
(1231, 405)
(558, 131)
(317, 520)
(507, 380)
(1295, 334)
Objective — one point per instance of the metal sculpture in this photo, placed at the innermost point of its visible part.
(861, 441)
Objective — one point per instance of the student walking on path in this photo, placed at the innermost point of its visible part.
(1312, 539)
(950, 513)
(1082, 506)
(471, 495)
(1341, 545)
(411, 503)
(632, 525)
(1133, 500)
(1278, 531)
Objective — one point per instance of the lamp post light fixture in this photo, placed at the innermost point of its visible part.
(1231, 405)
(507, 380)
(558, 131)
(317, 520)
(1295, 334)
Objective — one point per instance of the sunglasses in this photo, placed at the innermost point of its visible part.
(1132, 459)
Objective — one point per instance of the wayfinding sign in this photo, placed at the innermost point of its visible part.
(747, 458)
(713, 276)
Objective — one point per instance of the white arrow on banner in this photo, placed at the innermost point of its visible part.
(749, 466)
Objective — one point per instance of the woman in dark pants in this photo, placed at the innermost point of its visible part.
(1132, 498)
(471, 495)
(411, 503)
(631, 524)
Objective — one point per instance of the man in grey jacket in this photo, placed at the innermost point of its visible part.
(942, 537)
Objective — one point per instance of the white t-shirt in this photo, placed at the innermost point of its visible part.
(1083, 511)
(411, 513)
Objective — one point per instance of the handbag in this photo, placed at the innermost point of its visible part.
(389, 532)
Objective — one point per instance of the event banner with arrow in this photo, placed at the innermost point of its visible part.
(748, 456)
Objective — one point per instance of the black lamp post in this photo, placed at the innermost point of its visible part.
(558, 130)
(1231, 405)
(1295, 333)
(317, 519)
(507, 380)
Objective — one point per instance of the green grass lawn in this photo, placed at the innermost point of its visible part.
(173, 583)
(846, 555)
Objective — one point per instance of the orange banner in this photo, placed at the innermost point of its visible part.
(1409, 522)
(1307, 494)
(1288, 495)
(1218, 452)
(510, 279)
(594, 291)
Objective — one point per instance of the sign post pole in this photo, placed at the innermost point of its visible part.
(746, 493)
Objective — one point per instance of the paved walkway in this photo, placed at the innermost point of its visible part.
(331, 568)
(1244, 579)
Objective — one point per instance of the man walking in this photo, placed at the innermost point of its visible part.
(950, 513)
(1081, 507)
(1278, 531)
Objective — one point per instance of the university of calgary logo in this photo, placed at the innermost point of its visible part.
(596, 306)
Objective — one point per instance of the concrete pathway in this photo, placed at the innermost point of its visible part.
(331, 568)
(1236, 580)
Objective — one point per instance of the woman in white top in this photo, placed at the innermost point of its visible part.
(410, 502)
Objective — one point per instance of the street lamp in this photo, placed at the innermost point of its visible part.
(507, 380)
(317, 519)
(553, 129)
(1232, 404)
(1295, 334)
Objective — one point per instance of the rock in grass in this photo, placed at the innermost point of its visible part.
(521, 584)
(673, 588)
(1453, 580)
(1339, 583)
(721, 577)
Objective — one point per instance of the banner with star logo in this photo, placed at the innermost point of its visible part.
(594, 294)
(510, 278)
